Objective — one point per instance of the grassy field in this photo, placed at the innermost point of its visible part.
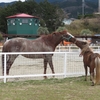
(50, 89)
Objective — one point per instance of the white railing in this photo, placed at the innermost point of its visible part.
(74, 48)
(70, 48)
(68, 64)
(67, 58)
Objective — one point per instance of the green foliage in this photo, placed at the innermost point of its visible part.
(86, 32)
(77, 26)
(42, 22)
(61, 29)
(43, 30)
(1, 37)
(51, 16)
(85, 22)
(86, 16)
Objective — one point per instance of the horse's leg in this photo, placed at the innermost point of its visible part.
(51, 63)
(92, 78)
(48, 59)
(45, 67)
(85, 67)
(10, 62)
(92, 75)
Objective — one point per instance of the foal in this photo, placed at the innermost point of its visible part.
(91, 60)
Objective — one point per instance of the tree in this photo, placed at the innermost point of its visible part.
(86, 32)
(51, 16)
(43, 31)
(61, 29)
(1, 37)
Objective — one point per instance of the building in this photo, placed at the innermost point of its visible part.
(22, 24)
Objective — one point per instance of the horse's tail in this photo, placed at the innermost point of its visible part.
(97, 66)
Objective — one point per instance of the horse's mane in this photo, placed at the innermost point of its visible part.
(51, 36)
(85, 49)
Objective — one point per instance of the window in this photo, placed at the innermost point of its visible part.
(24, 20)
(12, 21)
(36, 21)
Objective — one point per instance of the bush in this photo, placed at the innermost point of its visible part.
(1, 37)
(86, 32)
(61, 29)
(43, 30)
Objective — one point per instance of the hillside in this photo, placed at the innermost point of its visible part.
(72, 7)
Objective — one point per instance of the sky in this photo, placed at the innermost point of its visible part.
(9, 0)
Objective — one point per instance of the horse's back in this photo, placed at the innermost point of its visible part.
(27, 45)
(15, 44)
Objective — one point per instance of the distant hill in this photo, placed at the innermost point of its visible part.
(72, 7)
(65, 0)
(92, 0)
(3, 4)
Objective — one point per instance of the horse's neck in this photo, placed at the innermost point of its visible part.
(56, 40)
(86, 50)
(74, 40)
(78, 44)
(52, 40)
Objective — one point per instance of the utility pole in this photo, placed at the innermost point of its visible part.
(83, 7)
(99, 6)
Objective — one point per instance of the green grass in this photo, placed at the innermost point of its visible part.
(50, 89)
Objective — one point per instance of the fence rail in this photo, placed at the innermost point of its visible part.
(70, 48)
(74, 48)
(64, 65)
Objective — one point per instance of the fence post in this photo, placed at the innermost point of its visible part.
(5, 68)
(65, 64)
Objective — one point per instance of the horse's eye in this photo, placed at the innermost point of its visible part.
(84, 43)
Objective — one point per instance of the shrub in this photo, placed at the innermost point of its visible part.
(43, 30)
(86, 32)
(1, 37)
(61, 29)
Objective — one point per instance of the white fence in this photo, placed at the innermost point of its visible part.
(65, 64)
(74, 48)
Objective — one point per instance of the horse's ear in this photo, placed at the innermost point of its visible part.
(64, 31)
(54, 33)
(84, 43)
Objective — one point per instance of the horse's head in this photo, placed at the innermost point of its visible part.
(84, 46)
(68, 37)
(82, 43)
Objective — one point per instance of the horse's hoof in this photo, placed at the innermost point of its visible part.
(92, 84)
(85, 80)
(53, 76)
(45, 77)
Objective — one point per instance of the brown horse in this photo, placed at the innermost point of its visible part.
(90, 59)
(45, 43)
